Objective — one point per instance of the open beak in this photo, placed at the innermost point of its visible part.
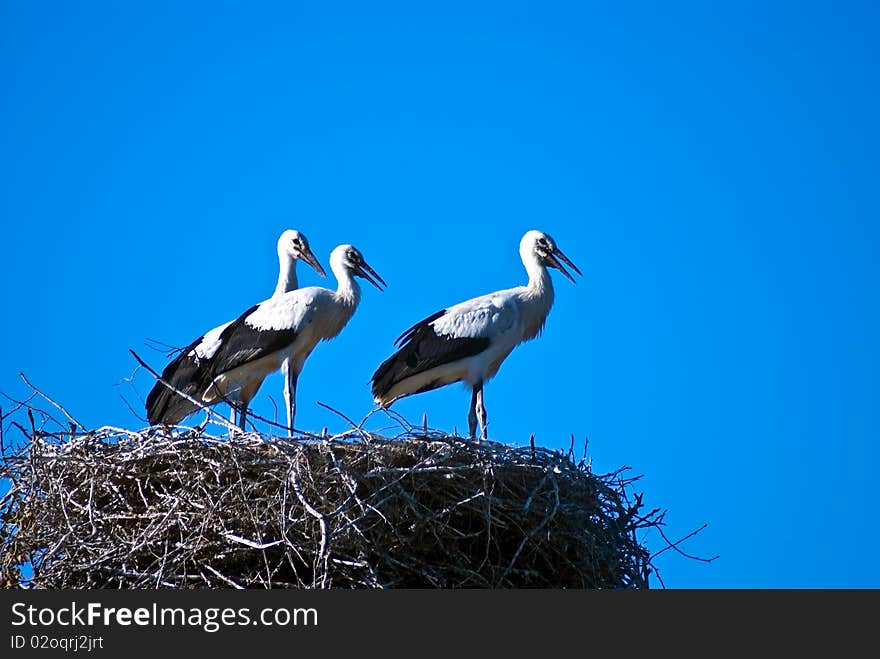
(370, 275)
(309, 258)
(555, 259)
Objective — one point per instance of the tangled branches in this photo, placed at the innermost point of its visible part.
(120, 509)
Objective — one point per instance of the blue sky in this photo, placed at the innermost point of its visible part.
(712, 170)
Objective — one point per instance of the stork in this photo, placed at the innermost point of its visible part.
(164, 405)
(468, 342)
(283, 328)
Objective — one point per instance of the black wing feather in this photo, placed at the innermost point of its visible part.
(403, 338)
(240, 343)
(186, 373)
(422, 349)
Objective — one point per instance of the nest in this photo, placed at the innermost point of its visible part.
(158, 509)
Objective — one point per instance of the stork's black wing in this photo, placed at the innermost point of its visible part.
(241, 343)
(421, 349)
(185, 373)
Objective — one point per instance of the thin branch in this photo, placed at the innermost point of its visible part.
(51, 402)
(674, 545)
(183, 394)
(338, 413)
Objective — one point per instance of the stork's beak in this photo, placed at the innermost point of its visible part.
(554, 259)
(365, 271)
(310, 258)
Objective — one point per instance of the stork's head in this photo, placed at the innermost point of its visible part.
(541, 246)
(349, 257)
(294, 244)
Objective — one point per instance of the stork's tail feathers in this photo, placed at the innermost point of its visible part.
(167, 406)
(382, 382)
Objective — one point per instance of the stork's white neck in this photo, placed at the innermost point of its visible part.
(537, 294)
(540, 283)
(287, 280)
(348, 290)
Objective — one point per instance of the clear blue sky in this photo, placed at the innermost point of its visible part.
(713, 170)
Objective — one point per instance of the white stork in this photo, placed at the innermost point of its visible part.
(165, 406)
(467, 342)
(283, 328)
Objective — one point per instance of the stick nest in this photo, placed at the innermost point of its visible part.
(119, 509)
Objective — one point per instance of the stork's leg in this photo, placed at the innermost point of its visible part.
(481, 413)
(243, 415)
(472, 412)
(290, 379)
(233, 414)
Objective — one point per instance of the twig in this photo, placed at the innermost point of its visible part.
(251, 543)
(224, 578)
(338, 413)
(294, 481)
(674, 545)
(159, 346)
(200, 404)
(51, 402)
